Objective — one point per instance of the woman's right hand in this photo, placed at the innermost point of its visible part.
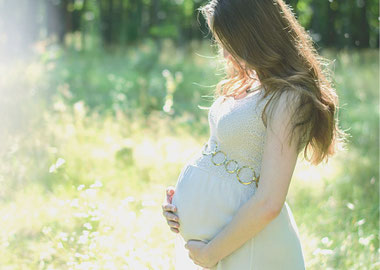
(169, 209)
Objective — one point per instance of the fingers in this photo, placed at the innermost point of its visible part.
(169, 193)
(171, 216)
(171, 219)
(174, 230)
(168, 210)
(169, 207)
(170, 190)
(173, 224)
(169, 198)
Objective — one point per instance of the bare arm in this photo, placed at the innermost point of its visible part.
(279, 160)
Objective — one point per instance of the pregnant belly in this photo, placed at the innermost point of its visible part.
(205, 203)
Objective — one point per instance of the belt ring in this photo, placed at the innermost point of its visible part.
(204, 150)
(228, 162)
(214, 154)
(211, 152)
(254, 179)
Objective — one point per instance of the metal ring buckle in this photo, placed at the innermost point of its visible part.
(211, 151)
(214, 154)
(204, 150)
(228, 162)
(254, 179)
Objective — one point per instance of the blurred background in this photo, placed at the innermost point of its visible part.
(100, 108)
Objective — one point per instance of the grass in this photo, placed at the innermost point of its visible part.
(89, 147)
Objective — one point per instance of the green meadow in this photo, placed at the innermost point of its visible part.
(90, 141)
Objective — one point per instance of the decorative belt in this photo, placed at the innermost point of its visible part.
(226, 162)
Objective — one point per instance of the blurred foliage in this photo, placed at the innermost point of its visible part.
(134, 79)
(90, 24)
(90, 140)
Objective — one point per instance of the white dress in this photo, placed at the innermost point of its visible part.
(207, 196)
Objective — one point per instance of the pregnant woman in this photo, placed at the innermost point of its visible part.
(229, 204)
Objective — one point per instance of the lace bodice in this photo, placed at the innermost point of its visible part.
(237, 128)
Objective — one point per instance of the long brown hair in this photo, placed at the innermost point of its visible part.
(278, 52)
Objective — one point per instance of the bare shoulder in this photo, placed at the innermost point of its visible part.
(289, 108)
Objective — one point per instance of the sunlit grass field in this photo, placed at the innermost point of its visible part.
(91, 140)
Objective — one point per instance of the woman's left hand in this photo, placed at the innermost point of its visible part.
(199, 254)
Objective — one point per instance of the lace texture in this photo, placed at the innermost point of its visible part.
(237, 129)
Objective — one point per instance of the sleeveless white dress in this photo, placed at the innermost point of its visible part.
(207, 196)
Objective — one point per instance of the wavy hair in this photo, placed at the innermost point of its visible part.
(267, 44)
